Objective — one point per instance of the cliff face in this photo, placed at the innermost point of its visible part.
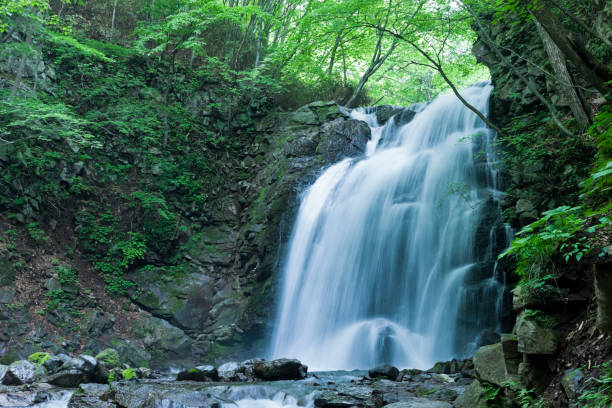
(165, 253)
(559, 339)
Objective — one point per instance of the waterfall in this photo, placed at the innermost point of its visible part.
(392, 255)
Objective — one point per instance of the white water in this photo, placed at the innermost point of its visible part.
(382, 256)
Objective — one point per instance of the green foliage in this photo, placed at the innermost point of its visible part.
(38, 358)
(66, 275)
(597, 187)
(598, 393)
(526, 398)
(128, 374)
(538, 241)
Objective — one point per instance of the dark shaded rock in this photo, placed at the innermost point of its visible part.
(342, 138)
(107, 360)
(385, 112)
(68, 378)
(200, 373)
(384, 371)
(281, 369)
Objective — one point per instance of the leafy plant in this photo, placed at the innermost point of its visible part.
(598, 393)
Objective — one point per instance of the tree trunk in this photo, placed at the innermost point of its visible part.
(113, 20)
(333, 53)
(568, 91)
(593, 71)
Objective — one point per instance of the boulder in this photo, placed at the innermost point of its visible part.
(54, 363)
(490, 365)
(231, 371)
(68, 378)
(474, 397)
(85, 401)
(107, 360)
(166, 343)
(534, 337)
(281, 369)
(415, 402)
(102, 391)
(200, 373)
(21, 372)
(384, 371)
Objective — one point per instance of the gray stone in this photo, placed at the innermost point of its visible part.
(3, 370)
(21, 372)
(416, 402)
(54, 363)
(281, 369)
(167, 344)
(384, 371)
(95, 390)
(85, 401)
(533, 337)
(7, 295)
(490, 365)
(229, 371)
(442, 378)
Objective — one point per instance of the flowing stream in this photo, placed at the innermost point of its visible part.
(392, 255)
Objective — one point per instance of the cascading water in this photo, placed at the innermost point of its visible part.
(392, 256)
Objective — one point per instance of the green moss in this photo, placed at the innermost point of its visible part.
(193, 371)
(108, 356)
(129, 374)
(39, 358)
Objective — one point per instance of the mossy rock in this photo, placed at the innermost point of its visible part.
(109, 357)
(39, 358)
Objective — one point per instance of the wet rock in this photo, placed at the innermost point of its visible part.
(384, 371)
(177, 395)
(101, 391)
(200, 373)
(385, 112)
(67, 378)
(281, 369)
(231, 371)
(416, 402)
(166, 343)
(330, 399)
(21, 372)
(85, 401)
